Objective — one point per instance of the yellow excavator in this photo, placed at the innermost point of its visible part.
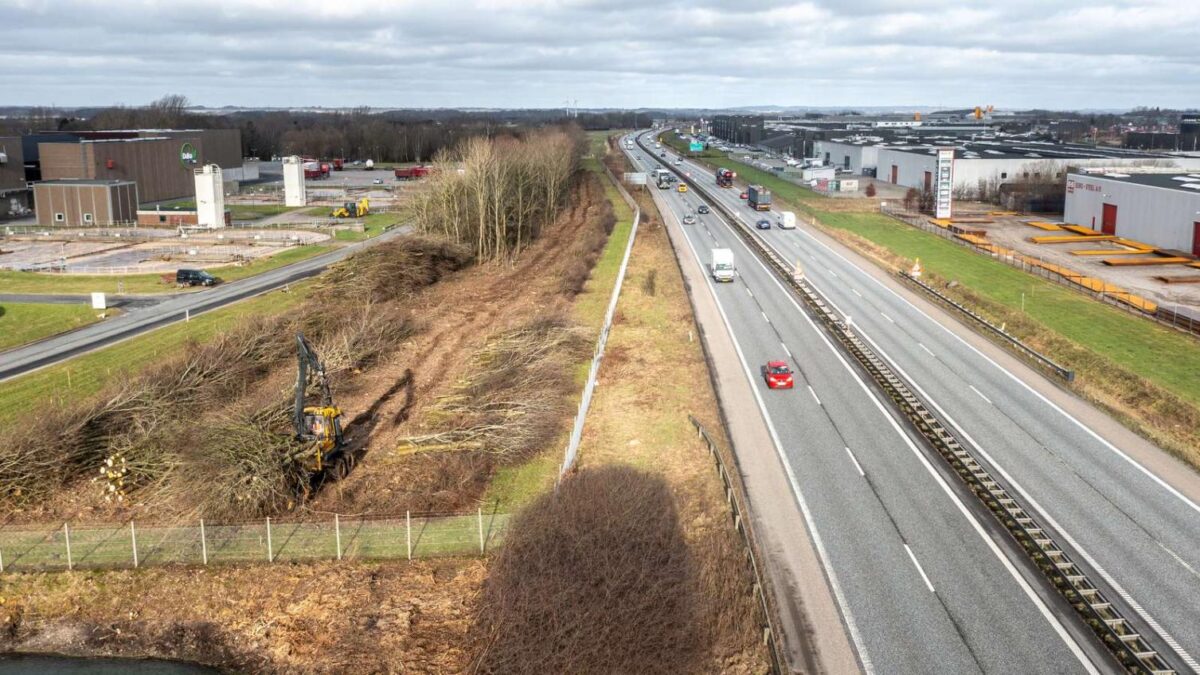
(353, 209)
(318, 427)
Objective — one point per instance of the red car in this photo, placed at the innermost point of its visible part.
(744, 195)
(778, 375)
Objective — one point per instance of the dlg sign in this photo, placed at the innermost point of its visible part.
(188, 155)
(944, 188)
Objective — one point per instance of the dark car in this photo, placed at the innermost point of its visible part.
(763, 224)
(703, 208)
(194, 278)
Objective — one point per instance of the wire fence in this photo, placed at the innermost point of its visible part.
(1173, 317)
(28, 548)
(598, 356)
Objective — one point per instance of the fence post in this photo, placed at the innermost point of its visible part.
(408, 532)
(133, 538)
(481, 546)
(203, 543)
(67, 536)
(337, 533)
(1, 561)
(270, 549)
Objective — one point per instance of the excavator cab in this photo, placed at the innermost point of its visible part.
(318, 428)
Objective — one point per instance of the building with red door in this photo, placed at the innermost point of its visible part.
(1160, 208)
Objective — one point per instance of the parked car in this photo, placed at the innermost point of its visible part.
(194, 278)
(689, 219)
(763, 224)
(778, 375)
(702, 209)
(377, 181)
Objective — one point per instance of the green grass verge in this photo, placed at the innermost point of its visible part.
(374, 225)
(682, 147)
(86, 374)
(36, 282)
(21, 323)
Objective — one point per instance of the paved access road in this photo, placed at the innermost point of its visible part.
(145, 316)
(876, 505)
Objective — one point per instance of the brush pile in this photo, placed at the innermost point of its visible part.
(209, 428)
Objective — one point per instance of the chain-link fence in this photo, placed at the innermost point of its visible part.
(1167, 316)
(404, 536)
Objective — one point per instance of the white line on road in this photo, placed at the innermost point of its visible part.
(917, 564)
(887, 317)
(750, 292)
(814, 394)
(786, 350)
(765, 318)
(833, 273)
(922, 346)
(856, 464)
(855, 290)
(980, 393)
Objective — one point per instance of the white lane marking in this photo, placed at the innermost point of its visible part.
(765, 317)
(1041, 606)
(833, 273)
(980, 393)
(886, 317)
(786, 351)
(922, 346)
(1119, 452)
(917, 564)
(810, 523)
(1033, 505)
(750, 292)
(856, 464)
(814, 394)
(855, 291)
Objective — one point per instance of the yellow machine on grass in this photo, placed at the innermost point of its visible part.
(318, 427)
(353, 209)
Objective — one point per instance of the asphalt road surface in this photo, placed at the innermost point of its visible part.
(925, 582)
(141, 317)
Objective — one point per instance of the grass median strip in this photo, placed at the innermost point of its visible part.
(21, 323)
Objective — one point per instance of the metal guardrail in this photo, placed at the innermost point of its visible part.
(589, 388)
(1015, 342)
(1096, 610)
(740, 523)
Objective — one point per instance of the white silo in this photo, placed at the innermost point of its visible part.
(210, 197)
(293, 182)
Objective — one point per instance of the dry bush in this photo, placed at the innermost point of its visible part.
(515, 394)
(590, 205)
(215, 407)
(650, 282)
(596, 578)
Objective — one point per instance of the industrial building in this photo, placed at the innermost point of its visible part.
(1161, 209)
(85, 203)
(161, 167)
(743, 129)
(14, 194)
(982, 166)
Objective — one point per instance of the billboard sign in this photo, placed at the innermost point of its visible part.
(944, 186)
(696, 146)
(188, 155)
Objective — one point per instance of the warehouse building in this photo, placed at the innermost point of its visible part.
(1161, 209)
(85, 203)
(161, 167)
(14, 192)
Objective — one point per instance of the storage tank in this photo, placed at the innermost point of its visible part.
(210, 197)
(293, 182)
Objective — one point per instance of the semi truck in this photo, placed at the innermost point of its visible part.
(725, 178)
(411, 172)
(722, 264)
(758, 197)
(662, 178)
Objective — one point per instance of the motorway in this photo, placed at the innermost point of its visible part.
(145, 316)
(924, 580)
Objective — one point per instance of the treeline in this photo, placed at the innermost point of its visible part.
(495, 194)
(388, 136)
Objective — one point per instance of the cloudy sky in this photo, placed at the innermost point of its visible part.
(617, 53)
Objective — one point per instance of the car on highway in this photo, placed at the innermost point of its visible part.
(778, 375)
(744, 195)
(679, 160)
(194, 278)
(763, 224)
(662, 154)
(689, 219)
(682, 187)
(703, 208)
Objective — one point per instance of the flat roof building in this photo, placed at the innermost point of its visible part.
(161, 167)
(14, 193)
(1161, 209)
(85, 203)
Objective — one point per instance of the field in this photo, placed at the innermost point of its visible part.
(25, 322)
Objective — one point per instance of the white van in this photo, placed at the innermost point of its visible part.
(722, 264)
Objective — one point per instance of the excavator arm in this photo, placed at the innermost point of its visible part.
(317, 426)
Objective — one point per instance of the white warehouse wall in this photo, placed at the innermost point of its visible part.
(1159, 216)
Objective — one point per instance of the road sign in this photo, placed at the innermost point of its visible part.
(945, 182)
(696, 146)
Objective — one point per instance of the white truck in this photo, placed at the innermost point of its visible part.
(788, 222)
(722, 264)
